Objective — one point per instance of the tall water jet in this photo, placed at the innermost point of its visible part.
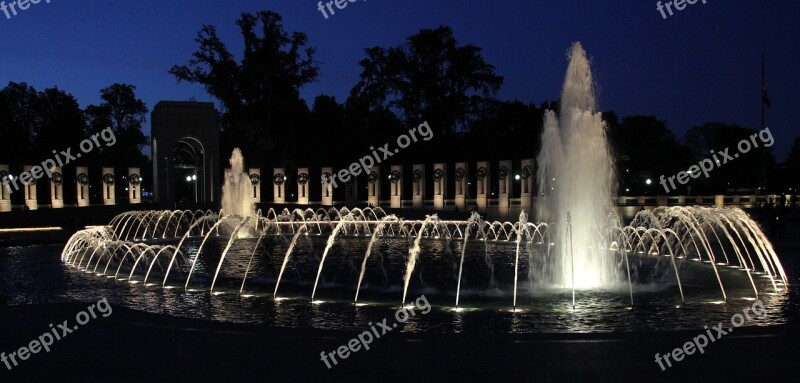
(576, 173)
(237, 196)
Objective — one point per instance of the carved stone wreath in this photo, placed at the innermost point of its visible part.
(373, 177)
(108, 179)
(57, 179)
(302, 178)
(278, 179)
(526, 171)
(83, 179)
(255, 179)
(460, 174)
(395, 176)
(438, 174)
(481, 173)
(135, 180)
(502, 173)
(417, 176)
(327, 178)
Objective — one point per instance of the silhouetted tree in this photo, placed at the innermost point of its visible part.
(125, 114)
(261, 93)
(748, 171)
(793, 166)
(430, 78)
(18, 117)
(645, 148)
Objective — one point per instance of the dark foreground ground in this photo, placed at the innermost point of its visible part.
(131, 346)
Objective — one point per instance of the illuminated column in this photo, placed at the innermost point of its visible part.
(279, 186)
(302, 186)
(374, 187)
(526, 185)
(82, 185)
(56, 188)
(418, 186)
(134, 186)
(461, 186)
(482, 187)
(439, 185)
(327, 186)
(29, 187)
(504, 187)
(255, 180)
(396, 187)
(5, 191)
(719, 201)
(109, 190)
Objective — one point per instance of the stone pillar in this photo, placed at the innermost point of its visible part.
(504, 187)
(56, 188)
(327, 186)
(5, 188)
(134, 186)
(719, 201)
(526, 177)
(302, 186)
(374, 186)
(418, 186)
(662, 200)
(396, 186)
(278, 186)
(29, 187)
(439, 185)
(482, 188)
(461, 186)
(255, 181)
(82, 185)
(109, 190)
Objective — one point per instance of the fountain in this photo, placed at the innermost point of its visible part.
(237, 196)
(577, 250)
(577, 172)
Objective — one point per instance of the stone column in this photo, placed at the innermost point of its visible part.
(526, 177)
(439, 185)
(255, 181)
(504, 187)
(5, 188)
(134, 186)
(461, 186)
(482, 189)
(374, 186)
(109, 190)
(302, 186)
(278, 186)
(29, 187)
(327, 186)
(396, 186)
(82, 185)
(719, 201)
(56, 188)
(418, 186)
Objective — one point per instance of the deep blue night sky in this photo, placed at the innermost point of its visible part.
(702, 64)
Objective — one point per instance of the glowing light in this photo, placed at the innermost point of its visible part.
(30, 229)
(317, 302)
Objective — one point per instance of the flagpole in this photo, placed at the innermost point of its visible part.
(763, 90)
